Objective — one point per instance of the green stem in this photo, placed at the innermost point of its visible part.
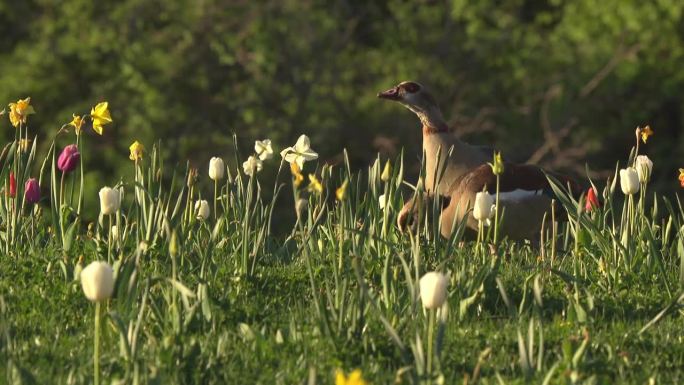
(215, 198)
(109, 241)
(96, 353)
(431, 332)
(496, 214)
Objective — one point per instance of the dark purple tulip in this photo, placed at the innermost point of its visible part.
(32, 191)
(68, 159)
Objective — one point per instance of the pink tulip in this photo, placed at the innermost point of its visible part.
(31, 191)
(68, 159)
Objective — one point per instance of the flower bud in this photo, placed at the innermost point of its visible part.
(12, 192)
(68, 159)
(386, 172)
(202, 210)
(115, 232)
(484, 206)
(433, 290)
(217, 169)
(110, 200)
(592, 201)
(31, 191)
(643, 166)
(382, 201)
(97, 280)
(629, 181)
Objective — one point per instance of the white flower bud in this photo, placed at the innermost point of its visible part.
(629, 181)
(484, 207)
(382, 200)
(217, 169)
(643, 165)
(202, 210)
(433, 289)
(97, 280)
(110, 200)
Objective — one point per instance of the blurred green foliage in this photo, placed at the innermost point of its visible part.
(191, 72)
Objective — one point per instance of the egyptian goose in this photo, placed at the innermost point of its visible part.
(525, 196)
(456, 156)
(524, 192)
(437, 138)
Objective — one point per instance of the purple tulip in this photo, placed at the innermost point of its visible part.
(31, 191)
(68, 159)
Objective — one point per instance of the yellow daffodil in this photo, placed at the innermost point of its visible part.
(645, 133)
(314, 184)
(354, 378)
(341, 192)
(681, 177)
(137, 150)
(498, 165)
(101, 116)
(20, 110)
(296, 174)
(77, 123)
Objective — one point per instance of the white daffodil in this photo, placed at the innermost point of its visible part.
(629, 181)
(252, 165)
(301, 152)
(263, 149)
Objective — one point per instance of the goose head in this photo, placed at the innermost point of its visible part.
(418, 99)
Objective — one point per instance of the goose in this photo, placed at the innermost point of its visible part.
(525, 193)
(455, 156)
(525, 197)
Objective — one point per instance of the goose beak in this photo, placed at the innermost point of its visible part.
(391, 94)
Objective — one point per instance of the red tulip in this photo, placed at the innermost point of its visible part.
(68, 159)
(12, 185)
(31, 191)
(592, 201)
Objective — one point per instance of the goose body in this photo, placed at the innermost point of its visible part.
(525, 196)
(458, 171)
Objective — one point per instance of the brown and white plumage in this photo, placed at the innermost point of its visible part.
(525, 193)
(437, 139)
(525, 196)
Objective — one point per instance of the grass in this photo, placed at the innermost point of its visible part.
(225, 300)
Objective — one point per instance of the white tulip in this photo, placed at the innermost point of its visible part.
(263, 149)
(644, 166)
(202, 210)
(110, 200)
(629, 181)
(97, 280)
(217, 169)
(382, 200)
(301, 152)
(484, 207)
(252, 165)
(433, 289)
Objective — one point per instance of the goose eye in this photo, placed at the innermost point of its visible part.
(411, 87)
